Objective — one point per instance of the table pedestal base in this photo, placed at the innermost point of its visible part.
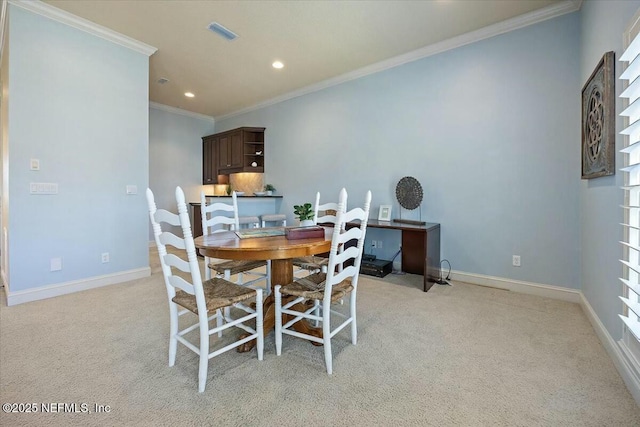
(281, 273)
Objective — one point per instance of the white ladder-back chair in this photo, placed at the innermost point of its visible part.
(315, 263)
(327, 287)
(204, 299)
(218, 217)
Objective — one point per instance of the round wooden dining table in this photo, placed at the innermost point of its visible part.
(278, 249)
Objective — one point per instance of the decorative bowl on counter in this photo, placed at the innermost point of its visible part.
(260, 193)
(239, 193)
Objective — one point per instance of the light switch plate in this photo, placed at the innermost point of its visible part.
(132, 189)
(35, 164)
(43, 188)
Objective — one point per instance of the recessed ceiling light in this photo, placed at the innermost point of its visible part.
(277, 64)
(189, 95)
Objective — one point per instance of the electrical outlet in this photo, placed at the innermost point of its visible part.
(374, 244)
(105, 257)
(56, 264)
(379, 244)
(516, 261)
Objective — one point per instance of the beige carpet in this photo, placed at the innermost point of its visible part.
(455, 356)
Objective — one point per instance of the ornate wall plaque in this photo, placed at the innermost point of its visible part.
(598, 121)
(409, 192)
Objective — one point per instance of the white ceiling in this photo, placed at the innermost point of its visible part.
(318, 41)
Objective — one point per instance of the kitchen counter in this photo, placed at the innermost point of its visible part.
(248, 196)
(248, 205)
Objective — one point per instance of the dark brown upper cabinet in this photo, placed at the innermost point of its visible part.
(232, 151)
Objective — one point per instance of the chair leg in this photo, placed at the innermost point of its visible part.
(326, 338)
(278, 327)
(352, 313)
(207, 270)
(219, 321)
(316, 312)
(227, 276)
(268, 278)
(259, 324)
(173, 332)
(204, 352)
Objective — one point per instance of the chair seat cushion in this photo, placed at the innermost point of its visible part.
(236, 266)
(274, 217)
(218, 293)
(311, 263)
(312, 287)
(248, 220)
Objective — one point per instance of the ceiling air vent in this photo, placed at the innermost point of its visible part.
(222, 31)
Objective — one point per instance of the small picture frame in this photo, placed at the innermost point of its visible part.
(384, 214)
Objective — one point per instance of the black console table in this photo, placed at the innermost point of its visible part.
(420, 248)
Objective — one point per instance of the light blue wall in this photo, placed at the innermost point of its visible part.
(602, 24)
(80, 105)
(491, 130)
(175, 157)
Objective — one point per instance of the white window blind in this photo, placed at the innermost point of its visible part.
(631, 112)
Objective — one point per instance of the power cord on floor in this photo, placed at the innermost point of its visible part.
(393, 259)
(442, 281)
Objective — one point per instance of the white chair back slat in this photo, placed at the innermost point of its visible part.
(353, 215)
(346, 254)
(218, 206)
(351, 234)
(167, 238)
(180, 283)
(347, 272)
(177, 262)
(170, 218)
(322, 209)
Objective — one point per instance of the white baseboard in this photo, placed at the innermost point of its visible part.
(622, 363)
(58, 289)
(549, 291)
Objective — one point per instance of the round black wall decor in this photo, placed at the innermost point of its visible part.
(409, 192)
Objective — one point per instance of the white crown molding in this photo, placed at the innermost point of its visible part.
(521, 21)
(50, 291)
(48, 11)
(180, 111)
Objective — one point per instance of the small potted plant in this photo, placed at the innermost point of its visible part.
(304, 213)
(269, 189)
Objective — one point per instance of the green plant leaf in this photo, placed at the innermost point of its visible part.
(303, 212)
